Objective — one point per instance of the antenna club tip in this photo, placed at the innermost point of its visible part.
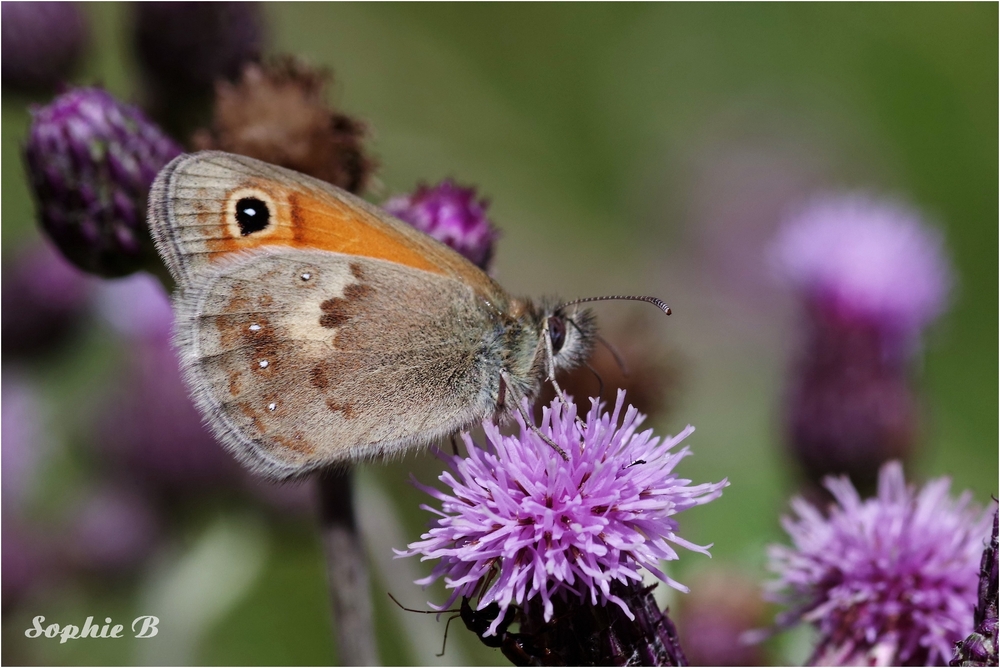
(668, 311)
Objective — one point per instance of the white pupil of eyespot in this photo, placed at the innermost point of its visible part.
(263, 364)
(254, 328)
(271, 407)
(306, 276)
(249, 212)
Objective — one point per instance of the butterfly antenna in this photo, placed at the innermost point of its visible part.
(655, 301)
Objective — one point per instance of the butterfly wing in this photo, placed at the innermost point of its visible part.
(314, 327)
(300, 358)
(194, 208)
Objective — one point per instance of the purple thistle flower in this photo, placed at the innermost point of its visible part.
(980, 648)
(867, 258)
(452, 215)
(91, 160)
(520, 522)
(42, 42)
(891, 580)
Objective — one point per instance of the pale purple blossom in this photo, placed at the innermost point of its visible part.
(891, 580)
(519, 522)
(452, 215)
(874, 258)
(137, 307)
(113, 528)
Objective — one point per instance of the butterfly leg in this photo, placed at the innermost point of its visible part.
(518, 400)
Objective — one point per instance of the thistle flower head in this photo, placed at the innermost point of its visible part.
(452, 215)
(868, 258)
(890, 580)
(519, 522)
(91, 160)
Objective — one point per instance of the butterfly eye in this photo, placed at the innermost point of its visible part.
(252, 215)
(557, 333)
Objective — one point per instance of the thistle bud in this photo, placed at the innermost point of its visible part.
(451, 214)
(91, 160)
(186, 46)
(42, 43)
(183, 48)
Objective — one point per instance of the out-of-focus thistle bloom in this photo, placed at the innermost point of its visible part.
(722, 606)
(452, 215)
(522, 527)
(871, 275)
(91, 160)
(136, 307)
(42, 42)
(980, 648)
(44, 301)
(149, 427)
(184, 48)
(26, 560)
(278, 113)
(22, 439)
(187, 46)
(111, 530)
(887, 581)
(869, 259)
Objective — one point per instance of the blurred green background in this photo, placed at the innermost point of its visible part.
(626, 148)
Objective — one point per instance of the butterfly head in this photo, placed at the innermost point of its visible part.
(567, 336)
(555, 336)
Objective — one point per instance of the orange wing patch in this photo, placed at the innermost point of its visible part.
(304, 220)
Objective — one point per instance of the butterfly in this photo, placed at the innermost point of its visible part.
(313, 328)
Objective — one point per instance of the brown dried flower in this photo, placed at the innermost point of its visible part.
(277, 113)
